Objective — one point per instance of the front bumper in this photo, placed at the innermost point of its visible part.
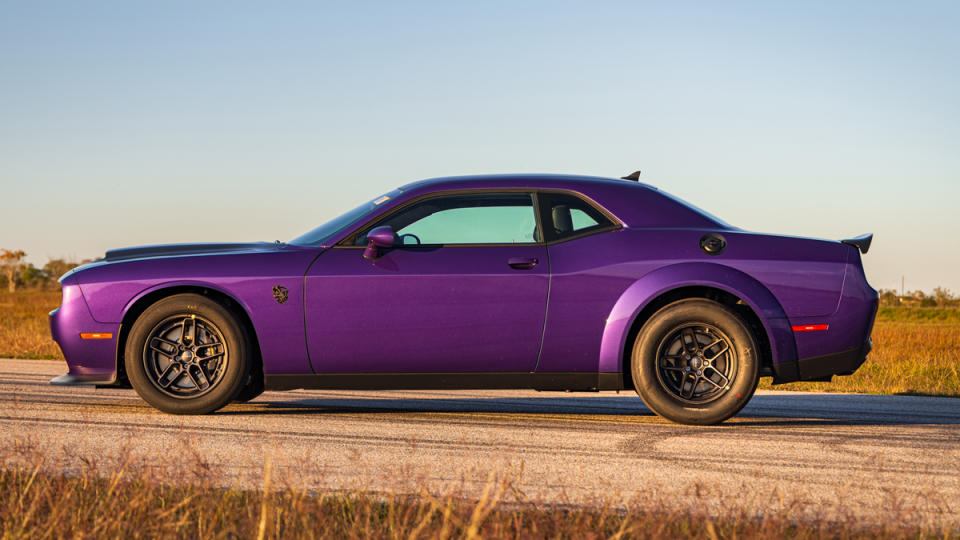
(81, 379)
(90, 361)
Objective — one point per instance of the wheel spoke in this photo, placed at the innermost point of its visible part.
(693, 386)
(170, 367)
(211, 355)
(711, 381)
(203, 379)
(162, 352)
(719, 354)
(185, 337)
(688, 334)
(726, 381)
(714, 344)
(193, 378)
(164, 341)
(202, 335)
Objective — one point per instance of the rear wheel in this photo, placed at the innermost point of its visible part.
(187, 354)
(695, 362)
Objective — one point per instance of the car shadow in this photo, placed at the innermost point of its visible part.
(792, 408)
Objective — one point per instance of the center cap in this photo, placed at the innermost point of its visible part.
(694, 363)
(186, 356)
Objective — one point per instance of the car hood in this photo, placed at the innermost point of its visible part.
(172, 250)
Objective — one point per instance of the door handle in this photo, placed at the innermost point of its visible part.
(522, 263)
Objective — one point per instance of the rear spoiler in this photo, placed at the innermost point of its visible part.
(861, 242)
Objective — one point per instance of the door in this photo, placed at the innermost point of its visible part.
(464, 289)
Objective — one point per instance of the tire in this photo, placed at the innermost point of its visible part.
(187, 354)
(695, 362)
(251, 390)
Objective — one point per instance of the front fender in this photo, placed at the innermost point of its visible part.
(183, 283)
(698, 274)
(278, 326)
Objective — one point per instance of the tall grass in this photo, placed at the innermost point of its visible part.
(916, 350)
(132, 498)
(24, 325)
(907, 358)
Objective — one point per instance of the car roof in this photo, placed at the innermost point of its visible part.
(634, 203)
(537, 181)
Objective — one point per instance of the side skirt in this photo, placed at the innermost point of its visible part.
(574, 382)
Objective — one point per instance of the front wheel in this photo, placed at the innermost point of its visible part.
(695, 362)
(187, 354)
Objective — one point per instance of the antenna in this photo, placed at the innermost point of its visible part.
(633, 176)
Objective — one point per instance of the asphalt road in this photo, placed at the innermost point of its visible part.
(872, 458)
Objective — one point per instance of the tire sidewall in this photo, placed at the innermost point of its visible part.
(662, 324)
(235, 339)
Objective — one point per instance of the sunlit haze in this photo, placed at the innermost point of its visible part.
(134, 123)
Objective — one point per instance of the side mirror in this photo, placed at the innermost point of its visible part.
(378, 238)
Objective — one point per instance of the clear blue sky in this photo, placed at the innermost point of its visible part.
(125, 123)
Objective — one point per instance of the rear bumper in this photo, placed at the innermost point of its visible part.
(822, 368)
(847, 330)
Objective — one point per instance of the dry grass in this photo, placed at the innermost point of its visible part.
(24, 325)
(916, 350)
(138, 498)
(919, 358)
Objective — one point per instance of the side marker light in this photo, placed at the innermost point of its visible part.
(95, 335)
(810, 327)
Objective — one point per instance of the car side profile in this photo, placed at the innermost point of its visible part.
(549, 282)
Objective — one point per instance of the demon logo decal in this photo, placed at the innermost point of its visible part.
(280, 294)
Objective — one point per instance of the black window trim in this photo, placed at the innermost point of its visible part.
(349, 241)
(612, 225)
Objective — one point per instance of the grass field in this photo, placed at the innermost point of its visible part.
(24, 325)
(137, 500)
(916, 350)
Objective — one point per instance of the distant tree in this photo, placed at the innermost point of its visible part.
(10, 263)
(32, 277)
(928, 301)
(55, 268)
(888, 297)
(943, 296)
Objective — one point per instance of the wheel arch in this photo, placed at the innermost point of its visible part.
(725, 285)
(147, 298)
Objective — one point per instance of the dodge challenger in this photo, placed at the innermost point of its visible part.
(546, 282)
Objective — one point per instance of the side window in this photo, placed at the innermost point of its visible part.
(506, 218)
(566, 215)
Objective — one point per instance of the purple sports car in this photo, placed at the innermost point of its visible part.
(547, 282)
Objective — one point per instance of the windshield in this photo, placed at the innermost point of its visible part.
(325, 232)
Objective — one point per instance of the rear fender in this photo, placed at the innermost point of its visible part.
(651, 286)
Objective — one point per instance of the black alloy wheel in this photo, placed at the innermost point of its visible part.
(695, 361)
(187, 354)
